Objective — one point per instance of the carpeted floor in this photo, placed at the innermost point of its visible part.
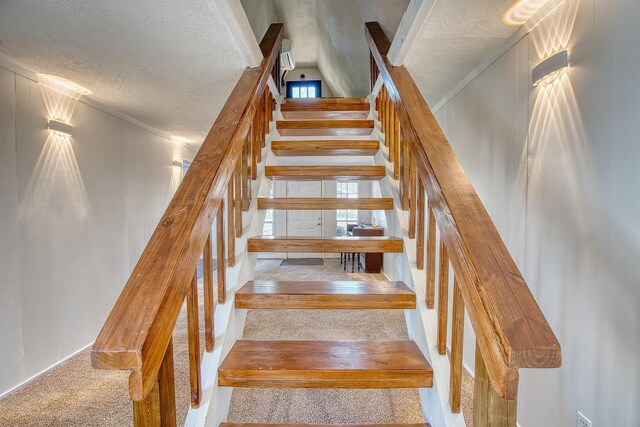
(74, 394)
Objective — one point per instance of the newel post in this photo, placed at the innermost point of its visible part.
(489, 409)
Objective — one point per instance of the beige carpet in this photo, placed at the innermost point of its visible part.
(74, 394)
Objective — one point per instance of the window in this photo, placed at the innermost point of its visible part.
(349, 190)
(185, 166)
(304, 89)
(268, 228)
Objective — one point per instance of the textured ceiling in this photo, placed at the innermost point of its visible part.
(329, 35)
(457, 36)
(170, 64)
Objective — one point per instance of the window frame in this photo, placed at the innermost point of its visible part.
(316, 84)
(352, 192)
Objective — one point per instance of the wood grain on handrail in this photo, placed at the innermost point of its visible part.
(139, 327)
(511, 330)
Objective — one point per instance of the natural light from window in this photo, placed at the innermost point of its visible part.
(267, 228)
(344, 217)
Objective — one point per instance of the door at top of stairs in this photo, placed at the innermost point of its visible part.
(304, 222)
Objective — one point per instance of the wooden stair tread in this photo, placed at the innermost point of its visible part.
(332, 244)
(325, 295)
(321, 425)
(335, 104)
(325, 203)
(363, 147)
(302, 173)
(325, 364)
(324, 127)
(325, 108)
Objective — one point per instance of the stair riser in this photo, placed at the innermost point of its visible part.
(415, 381)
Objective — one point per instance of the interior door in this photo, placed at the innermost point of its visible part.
(308, 222)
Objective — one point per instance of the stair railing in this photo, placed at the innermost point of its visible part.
(137, 335)
(511, 331)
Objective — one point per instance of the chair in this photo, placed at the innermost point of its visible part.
(347, 255)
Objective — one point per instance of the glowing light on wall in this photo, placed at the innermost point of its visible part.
(549, 69)
(62, 85)
(179, 140)
(521, 11)
(60, 128)
(529, 12)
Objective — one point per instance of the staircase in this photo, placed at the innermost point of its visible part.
(325, 364)
(454, 248)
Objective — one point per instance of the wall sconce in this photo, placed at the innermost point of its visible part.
(60, 127)
(549, 69)
(177, 163)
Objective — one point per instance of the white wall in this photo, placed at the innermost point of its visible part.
(557, 169)
(76, 213)
(309, 74)
(260, 14)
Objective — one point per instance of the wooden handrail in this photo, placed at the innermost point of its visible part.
(510, 328)
(138, 330)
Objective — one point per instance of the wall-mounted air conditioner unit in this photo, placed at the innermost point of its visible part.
(286, 56)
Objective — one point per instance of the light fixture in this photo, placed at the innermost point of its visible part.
(60, 127)
(62, 85)
(177, 163)
(549, 69)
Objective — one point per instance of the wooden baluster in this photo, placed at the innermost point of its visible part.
(244, 169)
(209, 306)
(387, 117)
(372, 82)
(193, 332)
(412, 199)
(263, 128)
(237, 185)
(406, 174)
(222, 286)
(167, 389)
(249, 197)
(431, 258)
(231, 234)
(391, 134)
(258, 127)
(457, 334)
(383, 112)
(396, 147)
(489, 409)
(380, 104)
(273, 109)
(443, 298)
(254, 150)
(265, 113)
(420, 236)
(146, 413)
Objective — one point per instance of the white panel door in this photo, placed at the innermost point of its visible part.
(307, 222)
